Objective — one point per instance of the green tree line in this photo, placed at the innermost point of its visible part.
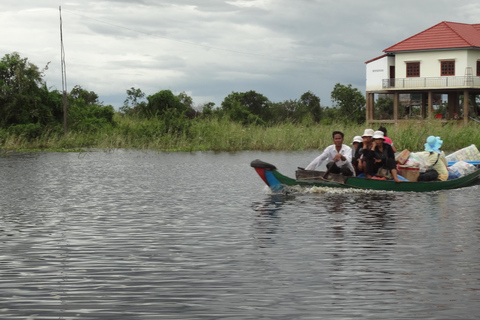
(31, 117)
(30, 108)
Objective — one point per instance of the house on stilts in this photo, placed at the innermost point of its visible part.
(433, 74)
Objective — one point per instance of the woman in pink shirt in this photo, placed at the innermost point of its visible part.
(387, 139)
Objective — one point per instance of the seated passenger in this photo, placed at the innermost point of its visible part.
(435, 162)
(338, 155)
(365, 144)
(380, 155)
(387, 139)
(356, 141)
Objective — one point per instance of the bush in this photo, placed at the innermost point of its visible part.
(90, 125)
(28, 131)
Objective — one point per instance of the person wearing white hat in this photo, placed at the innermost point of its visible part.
(368, 133)
(356, 141)
(338, 155)
(366, 143)
(387, 139)
(380, 155)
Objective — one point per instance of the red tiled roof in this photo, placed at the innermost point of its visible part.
(445, 35)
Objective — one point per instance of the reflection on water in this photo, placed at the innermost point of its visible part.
(386, 252)
(137, 235)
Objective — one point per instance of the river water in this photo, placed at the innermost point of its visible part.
(124, 234)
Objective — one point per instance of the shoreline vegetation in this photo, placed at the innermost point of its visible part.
(34, 118)
(224, 135)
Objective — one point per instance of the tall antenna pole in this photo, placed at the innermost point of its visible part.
(64, 76)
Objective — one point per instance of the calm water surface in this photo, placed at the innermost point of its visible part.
(135, 235)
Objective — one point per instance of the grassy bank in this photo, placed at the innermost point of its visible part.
(224, 135)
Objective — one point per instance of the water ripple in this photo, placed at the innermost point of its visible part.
(137, 235)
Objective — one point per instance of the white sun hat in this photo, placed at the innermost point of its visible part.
(378, 135)
(357, 139)
(368, 133)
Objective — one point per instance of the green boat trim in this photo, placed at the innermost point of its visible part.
(274, 179)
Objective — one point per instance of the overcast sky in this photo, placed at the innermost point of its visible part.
(209, 48)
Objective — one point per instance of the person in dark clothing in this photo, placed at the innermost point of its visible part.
(379, 155)
(356, 141)
(358, 158)
(387, 139)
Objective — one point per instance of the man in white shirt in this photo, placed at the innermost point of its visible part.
(338, 155)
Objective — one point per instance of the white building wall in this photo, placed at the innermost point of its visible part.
(430, 67)
(473, 57)
(378, 70)
(430, 62)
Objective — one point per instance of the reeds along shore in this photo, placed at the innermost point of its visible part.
(224, 135)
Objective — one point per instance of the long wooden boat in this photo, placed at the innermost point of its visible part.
(309, 178)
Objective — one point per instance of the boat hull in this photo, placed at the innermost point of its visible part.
(278, 181)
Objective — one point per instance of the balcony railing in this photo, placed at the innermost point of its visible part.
(433, 82)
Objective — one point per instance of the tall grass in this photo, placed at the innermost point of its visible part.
(224, 135)
(412, 135)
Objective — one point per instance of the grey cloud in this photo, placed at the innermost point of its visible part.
(279, 48)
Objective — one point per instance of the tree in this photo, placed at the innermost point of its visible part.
(312, 103)
(294, 111)
(239, 113)
(283, 111)
(329, 115)
(86, 113)
(251, 102)
(20, 83)
(88, 97)
(185, 99)
(50, 106)
(384, 108)
(206, 109)
(162, 102)
(350, 103)
(133, 103)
